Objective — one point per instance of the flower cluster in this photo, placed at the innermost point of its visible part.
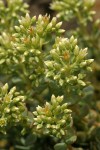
(53, 119)
(74, 9)
(35, 58)
(67, 64)
(87, 31)
(10, 13)
(23, 51)
(12, 108)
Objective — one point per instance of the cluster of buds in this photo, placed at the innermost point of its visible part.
(10, 13)
(67, 64)
(24, 49)
(12, 108)
(74, 9)
(53, 119)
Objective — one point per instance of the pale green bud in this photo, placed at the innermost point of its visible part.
(62, 121)
(49, 26)
(39, 126)
(53, 99)
(54, 20)
(56, 77)
(22, 27)
(3, 122)
(58, 108)
(83, 64)
(89, 69)
(58, 25)
(83, 53)
(64, 106)
(6, 110)
(75, 42)
(39, 109)
(60, 99)
(81, 82)
(61, 31)
(58, 126)
(53, 126)
(67, 111)
(12, 90)
(35, 113)
(33, 19)
(48, 126)
(89, 61)
(28, 17)
(62, 132)
(48, 63)
(72, 39)
(5, 88)
(76, 50)
(14, 109)
(17, 28)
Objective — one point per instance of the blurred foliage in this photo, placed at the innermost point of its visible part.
(49, 103)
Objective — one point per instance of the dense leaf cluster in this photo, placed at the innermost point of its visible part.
(50, 75)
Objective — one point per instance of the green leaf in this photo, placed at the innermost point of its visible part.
(71, 140)
(60, 146)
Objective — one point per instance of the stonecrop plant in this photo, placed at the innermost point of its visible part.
(87, 29)
(45, 93)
